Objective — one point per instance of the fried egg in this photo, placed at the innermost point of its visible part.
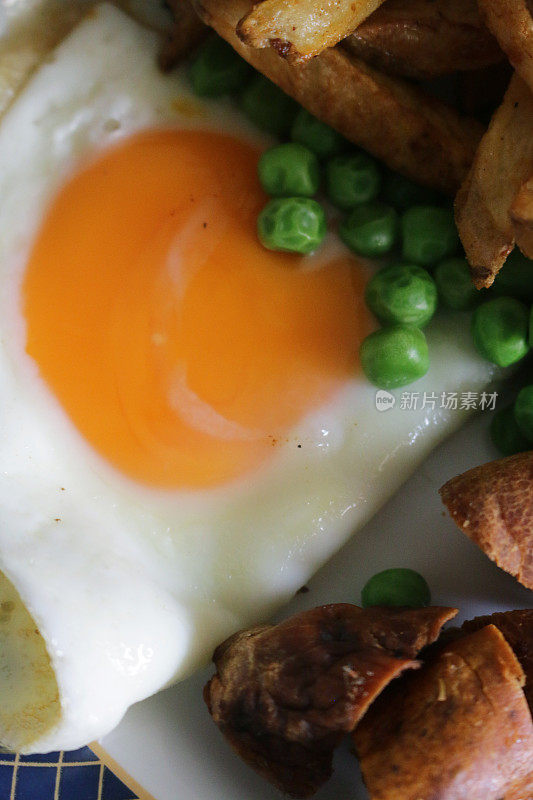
(186, 435)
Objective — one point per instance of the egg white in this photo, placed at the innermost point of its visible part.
(131, 588)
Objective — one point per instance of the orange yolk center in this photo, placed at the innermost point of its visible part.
(180, 348)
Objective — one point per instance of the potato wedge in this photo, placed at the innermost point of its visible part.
(424, 40)
(493, 505)
(300, 29)
(512, 24)
(411, 132)
(503, 162)
(522, 218)
(458, 728)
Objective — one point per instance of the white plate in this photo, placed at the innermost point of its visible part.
(169, 743)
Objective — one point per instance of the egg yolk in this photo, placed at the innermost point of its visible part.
(181, 349)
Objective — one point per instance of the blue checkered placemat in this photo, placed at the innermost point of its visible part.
(76, 775)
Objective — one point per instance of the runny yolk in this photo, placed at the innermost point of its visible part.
(181, 349)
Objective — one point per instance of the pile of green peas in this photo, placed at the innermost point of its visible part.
(383, 214)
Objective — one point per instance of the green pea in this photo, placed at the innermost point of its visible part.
(403, 293)
(523, 412)
(429, 235)
(515, 279)
(292, 225)
(402, 193)
(370, 230)
(505, 433)
(396, 587)
(454, 284)
(500, 328)
(324, 141)
(394, 356)
(217, 69)
(352, 180)
(268, 107)
(289, 169)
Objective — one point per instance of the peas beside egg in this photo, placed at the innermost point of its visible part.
(394, 356)
(218, 69)
(381, 212)
(292, 224)
(289, 170)
(318, 137)
(403, 293)
(352, 179)
(500, 330)
(370, 230)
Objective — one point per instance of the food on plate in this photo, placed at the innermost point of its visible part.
(517, 627)
(292, 225)
(505, 433)
(454, 284)
(352, 179)
(409, 130)
(456, 725)
(515, 278)
(289, 169)
(292, 222)
(480, 91)
(284, 695)
(493, 505)
(217, 70)
(27, 38)
(137, 309)
(523, 411)
(298, 30)
(402, 293)
(30, 29)
(323, 141)
(398, 586)
(424, 40)
(428, 235)
(370, 230)
(459, 727)
(503, 162)
(395, 356)
(501, 330)
(402, 193)
(183, 36)
(511, 23)
(522, 218)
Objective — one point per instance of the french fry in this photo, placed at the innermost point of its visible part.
(413, 133)
(300, 29)
(503, 162)
(512, 24)
(424, 40)
(522, 217)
